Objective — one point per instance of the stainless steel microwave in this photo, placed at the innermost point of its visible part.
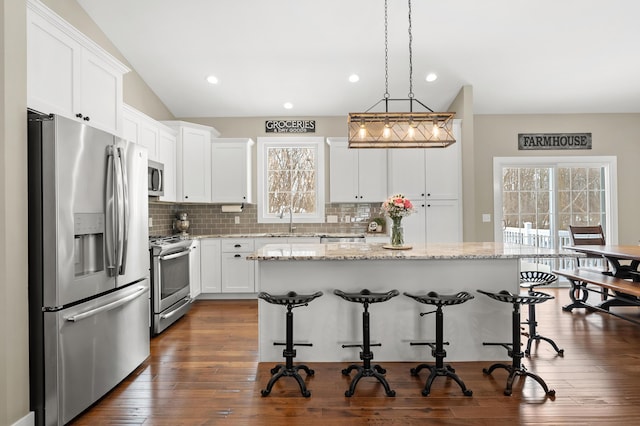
(156, 178)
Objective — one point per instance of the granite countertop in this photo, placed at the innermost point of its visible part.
(373, 251)
(287, 235)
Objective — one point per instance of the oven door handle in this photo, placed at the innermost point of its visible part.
(175, 255)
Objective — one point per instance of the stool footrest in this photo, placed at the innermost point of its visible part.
(426, 344)
(295, 344)
(360, 345)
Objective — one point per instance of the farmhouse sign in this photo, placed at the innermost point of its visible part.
(554, 141)
(290, 126)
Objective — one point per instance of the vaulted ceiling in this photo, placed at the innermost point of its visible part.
(520, 56)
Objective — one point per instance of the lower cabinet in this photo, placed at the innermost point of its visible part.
(237, 272)
(210, 261)
(194, 269)
(223, 267)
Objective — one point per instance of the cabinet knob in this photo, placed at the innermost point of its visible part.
(237, 255)
(428, 205)
(86, 118)
(186, 196)
(422, 205)
(429, 194)
(79, 115)
(356, 197)
(237, 245)
(422, 195)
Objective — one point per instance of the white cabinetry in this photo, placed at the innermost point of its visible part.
(193, 161)
(160, 141)
(357, 175)
(194, 269)
(231, 168)
(431, 179)
(237, 271)
(210, 266)
(167, 156)
(69, 74)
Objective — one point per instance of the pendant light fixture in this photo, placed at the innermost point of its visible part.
(413, 129)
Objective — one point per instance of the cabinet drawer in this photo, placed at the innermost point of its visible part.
(240, 245)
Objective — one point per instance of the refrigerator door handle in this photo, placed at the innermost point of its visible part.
(124, 212)
(106, 307)
(118, 208)
(111, 218)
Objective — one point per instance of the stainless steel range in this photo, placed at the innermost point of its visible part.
(170, 292)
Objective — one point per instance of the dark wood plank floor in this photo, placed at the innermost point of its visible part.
(203, 371)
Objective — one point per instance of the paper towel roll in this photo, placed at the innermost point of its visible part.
(233, 208)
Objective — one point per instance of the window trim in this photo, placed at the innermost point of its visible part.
(611, 174)
(275, 142)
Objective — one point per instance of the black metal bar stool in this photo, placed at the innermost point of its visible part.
(513, 349)
(290, 300)
(530, 280)
(365, 370)
(437, 347)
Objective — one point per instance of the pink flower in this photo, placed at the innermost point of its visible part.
(407, 204)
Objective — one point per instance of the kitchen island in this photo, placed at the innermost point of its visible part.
(329, 321)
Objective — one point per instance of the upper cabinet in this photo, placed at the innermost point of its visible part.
(160, 141)
(231, 168)
(69, 74)
(356, 175)
(193, 161)
(433, 173)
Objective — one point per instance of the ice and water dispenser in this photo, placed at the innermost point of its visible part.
(88, 229)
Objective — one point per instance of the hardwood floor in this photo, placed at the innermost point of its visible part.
(203, 371)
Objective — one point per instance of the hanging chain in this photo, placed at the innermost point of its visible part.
(410, 56)
(386, 51)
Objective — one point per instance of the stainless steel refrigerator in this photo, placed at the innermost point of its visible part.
(88, 264)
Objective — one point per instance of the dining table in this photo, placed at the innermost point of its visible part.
(623, 259)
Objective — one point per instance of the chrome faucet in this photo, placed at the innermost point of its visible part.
(282, 210)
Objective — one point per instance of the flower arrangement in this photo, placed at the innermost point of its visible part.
(397, 206)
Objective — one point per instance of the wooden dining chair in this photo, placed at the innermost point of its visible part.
(587, 236)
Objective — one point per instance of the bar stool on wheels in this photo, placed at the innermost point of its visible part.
(290, 300)
(366, 297)
(437, 347)
(530, 280)
(513, 348)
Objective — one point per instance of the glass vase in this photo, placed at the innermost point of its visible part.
(397, 234)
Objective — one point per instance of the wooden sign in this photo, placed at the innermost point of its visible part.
(290, 126)
(532, 141)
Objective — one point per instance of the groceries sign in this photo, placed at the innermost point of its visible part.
(554, 141)
(290, 126)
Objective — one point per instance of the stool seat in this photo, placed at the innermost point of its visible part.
(366, 296)
(520, 299)
(290, 300)
(433, 298)
(530, 280)
(437, 347)
(513, 348)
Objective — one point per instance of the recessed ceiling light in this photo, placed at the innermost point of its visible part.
(431, 77)
(354, 78)
(212, 79)
(288, 105)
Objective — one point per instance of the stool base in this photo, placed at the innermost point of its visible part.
(377, 372)
(435, 371)
(518, 371)
(282, 370)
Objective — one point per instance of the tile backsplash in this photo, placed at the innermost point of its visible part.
(208, 219)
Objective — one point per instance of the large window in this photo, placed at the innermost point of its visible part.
(537, 198)
(291, 177)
